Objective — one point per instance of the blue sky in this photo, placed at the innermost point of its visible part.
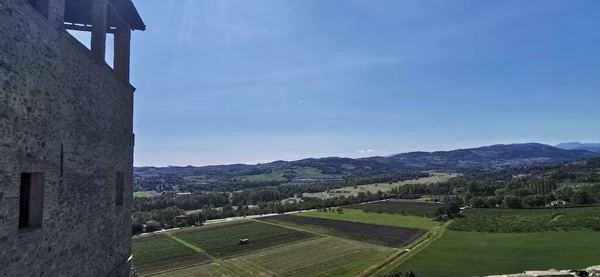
(228, 81)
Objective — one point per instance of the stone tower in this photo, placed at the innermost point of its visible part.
(66, 138)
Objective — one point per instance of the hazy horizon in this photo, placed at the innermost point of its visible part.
(360, 154)
(231, 81)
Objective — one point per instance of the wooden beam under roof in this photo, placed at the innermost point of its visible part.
(86, 28)
(123, 11)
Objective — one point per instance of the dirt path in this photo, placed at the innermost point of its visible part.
(382, 263)
(290, 227)
(197, 249)
(400, 256)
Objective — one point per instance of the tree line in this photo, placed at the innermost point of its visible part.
(175, 216)
(188, 202)
(265, 194)
(527, 187)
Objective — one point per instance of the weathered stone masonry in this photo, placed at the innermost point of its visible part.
(66, 114)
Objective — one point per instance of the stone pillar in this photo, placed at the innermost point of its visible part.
(122, 52)
(56, 13)
(99, 18)
(54, 10)
(41, 6)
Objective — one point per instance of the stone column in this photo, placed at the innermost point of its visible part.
(99, 18)
(122, 52)
(56, 13)
(54, 10)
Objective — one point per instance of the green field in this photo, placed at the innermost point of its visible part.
(277, 174)
(141, 194)
(222, 240)
(154, 253)
(205, 270)
(478, 254)
(323, 256)
(198, 178)
(402, 207)
(529, 220)
(297, 248)
(375, 218)
(264, 177)
(214, 251)
(425, 198)
(373, 188)
(577, 184)
(145, 194)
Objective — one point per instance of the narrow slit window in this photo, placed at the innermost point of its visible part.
(31, 199)
(120, 182)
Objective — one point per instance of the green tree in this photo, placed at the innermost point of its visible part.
(228, 210)
(534, 201)
(528, 201)
(453, 208)
(195, 218)
(137, 228)
(513, 202)
(521, 192)
(491, 201)
(500, 193)
(563, 193)
(581, 197)
(477, 202)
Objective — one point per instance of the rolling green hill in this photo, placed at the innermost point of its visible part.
(278, 172)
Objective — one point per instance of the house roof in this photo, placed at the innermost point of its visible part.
(78, 15)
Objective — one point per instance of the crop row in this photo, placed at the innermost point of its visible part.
(159, 252)
(418, 208)
(224, 240)
(528, 220)
(379, 234)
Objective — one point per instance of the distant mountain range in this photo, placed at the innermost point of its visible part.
(494, 156)
(500, 155)
(594, 147)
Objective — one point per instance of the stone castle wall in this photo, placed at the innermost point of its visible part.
(66, 115)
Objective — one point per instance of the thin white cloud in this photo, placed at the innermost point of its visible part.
(366, 151)
(257, 162)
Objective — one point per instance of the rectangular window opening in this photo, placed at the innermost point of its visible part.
(120, 182)
(31, 199)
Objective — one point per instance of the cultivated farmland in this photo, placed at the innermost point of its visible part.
(379, 234)
(330, 256)
(277, 174)
(222, 240)
(203, 270)
(403, 207)
(377, 218)
(384, 187)
(215, 251)
(529, 220)
(322, 256)
(480, 254)
(159, 252)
